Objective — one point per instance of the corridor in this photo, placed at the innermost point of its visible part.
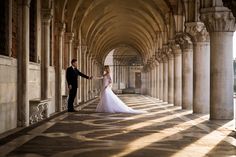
(166, 130)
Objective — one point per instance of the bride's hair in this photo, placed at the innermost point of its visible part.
(107, 69)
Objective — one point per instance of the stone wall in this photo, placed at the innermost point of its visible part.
(63, 82)
(8, 93)
(34, 81)
(52, 106)
(8, 90)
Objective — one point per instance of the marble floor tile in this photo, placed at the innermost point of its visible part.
(164, 131)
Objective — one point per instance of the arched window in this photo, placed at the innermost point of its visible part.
(14, 29)
(3, 21)
(33, 31)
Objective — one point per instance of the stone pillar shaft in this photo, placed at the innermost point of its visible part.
(178, 79)
(187, 84)
(161, 80)
(155, 82)
(221, 84)
(201, 77)
(82, 69)
(58, 68)
(171, 80)
(46, 18)
(158, 83)
(23, 64)
(69, 40)
(165, 81)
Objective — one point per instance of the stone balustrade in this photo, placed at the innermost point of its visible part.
(38, 110)
(64, 102)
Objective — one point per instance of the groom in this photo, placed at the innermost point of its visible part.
(72, 80)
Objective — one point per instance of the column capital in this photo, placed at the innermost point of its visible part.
(46, 15)
(175, 47)
(61, 27)
(218, 19)
(198, 32)
(169, 51)
(24, 3)
(184, 41)
(158, 55)
(163, 54)
(76, 44)
(83, 48)
(69, 36)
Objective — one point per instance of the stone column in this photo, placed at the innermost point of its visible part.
(115, 69)
(23, 63)
(118, 75)
(76, 56)
(129, 77)
(126, 77)
(177, 75)
(171, 79)
(79, 58)
(165, 79)
(59, 44)
(82, 69)
(93, 69)
(201, 67)
(187, 70)
(157, 81)
(221, 26)
(161, 80)
(123, 75)
(45, 43)
(86, 81)
(151, 82)
(90, 74)
(69, 40)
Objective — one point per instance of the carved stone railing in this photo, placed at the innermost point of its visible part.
(38, 110)
(64, 102)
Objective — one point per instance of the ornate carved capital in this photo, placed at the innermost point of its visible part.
(69, 36)
(83, 48)
(24, 3)
(218, 19)
(198, 32)
(175, 47)
(184, 41)
(169, 52)
(158, 56)
(76, 44)
(61, 27)
(46, 15)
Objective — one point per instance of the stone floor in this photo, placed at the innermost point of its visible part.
(165, 130)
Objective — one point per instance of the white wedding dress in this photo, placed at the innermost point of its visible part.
(110, 103)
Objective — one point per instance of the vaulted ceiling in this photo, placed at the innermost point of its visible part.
(103, 25)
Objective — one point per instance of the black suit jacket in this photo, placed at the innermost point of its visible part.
(72, 76)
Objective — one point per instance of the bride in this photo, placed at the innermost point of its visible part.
(109, 102)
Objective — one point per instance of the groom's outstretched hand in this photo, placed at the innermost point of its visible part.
(91, 77)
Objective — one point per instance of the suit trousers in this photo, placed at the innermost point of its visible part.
(72, 95)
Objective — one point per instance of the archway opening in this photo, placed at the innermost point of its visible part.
(126, 66)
